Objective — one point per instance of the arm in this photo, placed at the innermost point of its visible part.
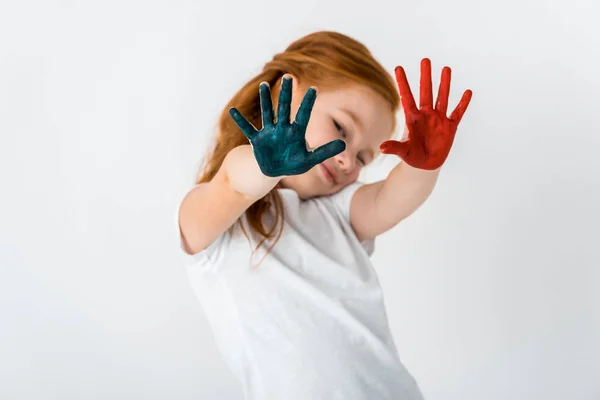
(379, 206)
(212, 207)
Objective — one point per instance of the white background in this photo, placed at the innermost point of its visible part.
(106, 108)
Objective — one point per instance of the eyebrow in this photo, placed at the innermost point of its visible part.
(360, 125)
(354, 117)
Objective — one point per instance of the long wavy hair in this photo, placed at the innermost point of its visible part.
(326, 59)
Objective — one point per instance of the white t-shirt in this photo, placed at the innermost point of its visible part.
(310, 321)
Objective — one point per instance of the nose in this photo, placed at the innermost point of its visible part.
(345, 161)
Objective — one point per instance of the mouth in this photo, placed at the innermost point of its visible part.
(328, 174)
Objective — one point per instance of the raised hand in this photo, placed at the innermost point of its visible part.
(280, 147)
(430, 132)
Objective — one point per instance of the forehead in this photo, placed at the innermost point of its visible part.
(373, 112)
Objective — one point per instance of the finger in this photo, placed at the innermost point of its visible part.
(266, 105)
(285, 100)
(303, 115)
(426, 95)
(444, 91)
(394, 147)
(460, 109)
(247, 128)
(408, 101)
(326, 151)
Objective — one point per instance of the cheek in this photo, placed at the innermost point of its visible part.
(319, 132)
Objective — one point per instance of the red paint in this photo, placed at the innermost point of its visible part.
(430, 132)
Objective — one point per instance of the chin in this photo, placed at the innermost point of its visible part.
(308, 185)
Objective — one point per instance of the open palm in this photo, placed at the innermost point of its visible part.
(280, 147)
(430, 132)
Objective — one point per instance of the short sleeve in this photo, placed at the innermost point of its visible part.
(210, 257)
(342, 201)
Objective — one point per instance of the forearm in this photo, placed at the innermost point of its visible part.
(244, 174)
(404, 190)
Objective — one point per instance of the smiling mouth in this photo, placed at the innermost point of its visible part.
(328, 174)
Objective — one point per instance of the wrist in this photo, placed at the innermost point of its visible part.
(244, 174)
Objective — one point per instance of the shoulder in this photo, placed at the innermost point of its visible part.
(342, 200)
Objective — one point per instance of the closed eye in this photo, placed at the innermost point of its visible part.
(339, 128)
(343, 133)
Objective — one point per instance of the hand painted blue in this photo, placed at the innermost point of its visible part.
(280, 147)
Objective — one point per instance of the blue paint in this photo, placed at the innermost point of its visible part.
(280, 147)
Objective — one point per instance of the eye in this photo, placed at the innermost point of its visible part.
(339, 128)
(362, 161)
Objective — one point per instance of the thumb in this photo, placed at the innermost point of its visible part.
(394, 147)
(326, 151)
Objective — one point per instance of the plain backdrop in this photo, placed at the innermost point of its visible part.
(106, 108)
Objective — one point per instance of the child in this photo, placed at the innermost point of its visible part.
(308, 321)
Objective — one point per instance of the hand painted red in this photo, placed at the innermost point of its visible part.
(430, 131)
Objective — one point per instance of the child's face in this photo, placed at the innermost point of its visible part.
(373, 125)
